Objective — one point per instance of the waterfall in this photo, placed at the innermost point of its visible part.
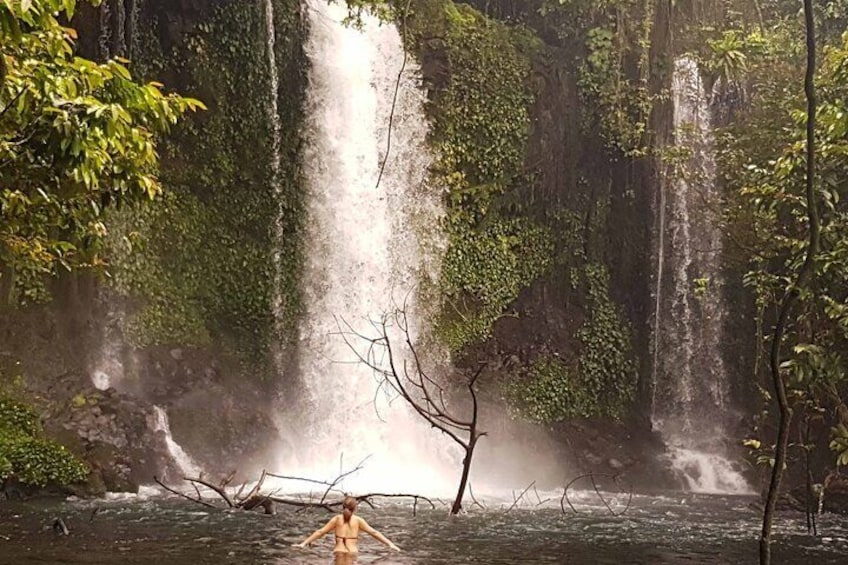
(276, 129)
(273, 95)
(107, 369)
(105, 24)
(116, 28)
(690, 395)
(363, 250)
(182, 459)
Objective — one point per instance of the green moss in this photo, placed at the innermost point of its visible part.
(480, 111)
(606, 366)
(601, 383)
(483, 272)
(550, 394)
(202, 263)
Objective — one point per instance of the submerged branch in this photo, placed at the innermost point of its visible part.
(517, 500)
(592, 476)
(198, 500)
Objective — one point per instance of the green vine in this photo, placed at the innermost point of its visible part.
(481, 120)
(602, 382)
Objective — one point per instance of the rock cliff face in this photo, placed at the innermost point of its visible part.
(187, 321)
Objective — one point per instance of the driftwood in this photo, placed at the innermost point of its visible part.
(255, 499)
(539, 498)
(408, 378)
(592, 476)
(515, 500)
(474, 500)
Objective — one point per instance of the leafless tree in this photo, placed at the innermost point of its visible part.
(396, 361)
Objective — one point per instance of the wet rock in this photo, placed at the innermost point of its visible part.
(60, 527)
(592, 459)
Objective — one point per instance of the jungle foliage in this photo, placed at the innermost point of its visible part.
(26, 456)
(763, 159)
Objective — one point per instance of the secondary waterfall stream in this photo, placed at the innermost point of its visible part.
(690, 404)
(182, 459)
(363, 253)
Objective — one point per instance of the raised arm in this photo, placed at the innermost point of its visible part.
(318, 534)
(376, 535)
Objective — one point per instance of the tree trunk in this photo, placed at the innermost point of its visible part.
(792, 294)
(463, 481)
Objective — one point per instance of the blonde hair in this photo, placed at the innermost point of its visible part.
(349, 506)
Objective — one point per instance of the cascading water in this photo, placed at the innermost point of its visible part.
(690, 403)
(363, 252)
(108, 368)
(182, 459)
(105, 39)
(115, 26)
(276, 129)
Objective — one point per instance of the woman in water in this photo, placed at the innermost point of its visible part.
(346, 527)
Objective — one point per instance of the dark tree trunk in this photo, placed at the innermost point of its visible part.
(463, 480)
(792, 293)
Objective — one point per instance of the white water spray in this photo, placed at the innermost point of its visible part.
(363, 252)
(690, 400)
(182, 459)
(273, 102)
(276, 129)
(107, 369)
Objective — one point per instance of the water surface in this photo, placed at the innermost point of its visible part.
(655, 530)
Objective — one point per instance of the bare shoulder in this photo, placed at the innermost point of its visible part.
(362, 523)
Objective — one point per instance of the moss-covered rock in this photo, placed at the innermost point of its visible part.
(27, 456)
(205, 264)
(478, 72)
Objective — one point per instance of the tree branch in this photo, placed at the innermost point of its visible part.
(187, 497)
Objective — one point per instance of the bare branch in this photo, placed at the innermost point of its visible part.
(255, 490)
(225, 482)
(402, 370)
(305, 480)
(342, 476)
(474, 500)
(198, 500)
(219, 490)
(616, 479)
(517, 500)
(539, 498)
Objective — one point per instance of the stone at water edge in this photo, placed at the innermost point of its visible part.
(60, 528)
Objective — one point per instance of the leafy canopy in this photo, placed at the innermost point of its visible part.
(75, 138)
(764, 155)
